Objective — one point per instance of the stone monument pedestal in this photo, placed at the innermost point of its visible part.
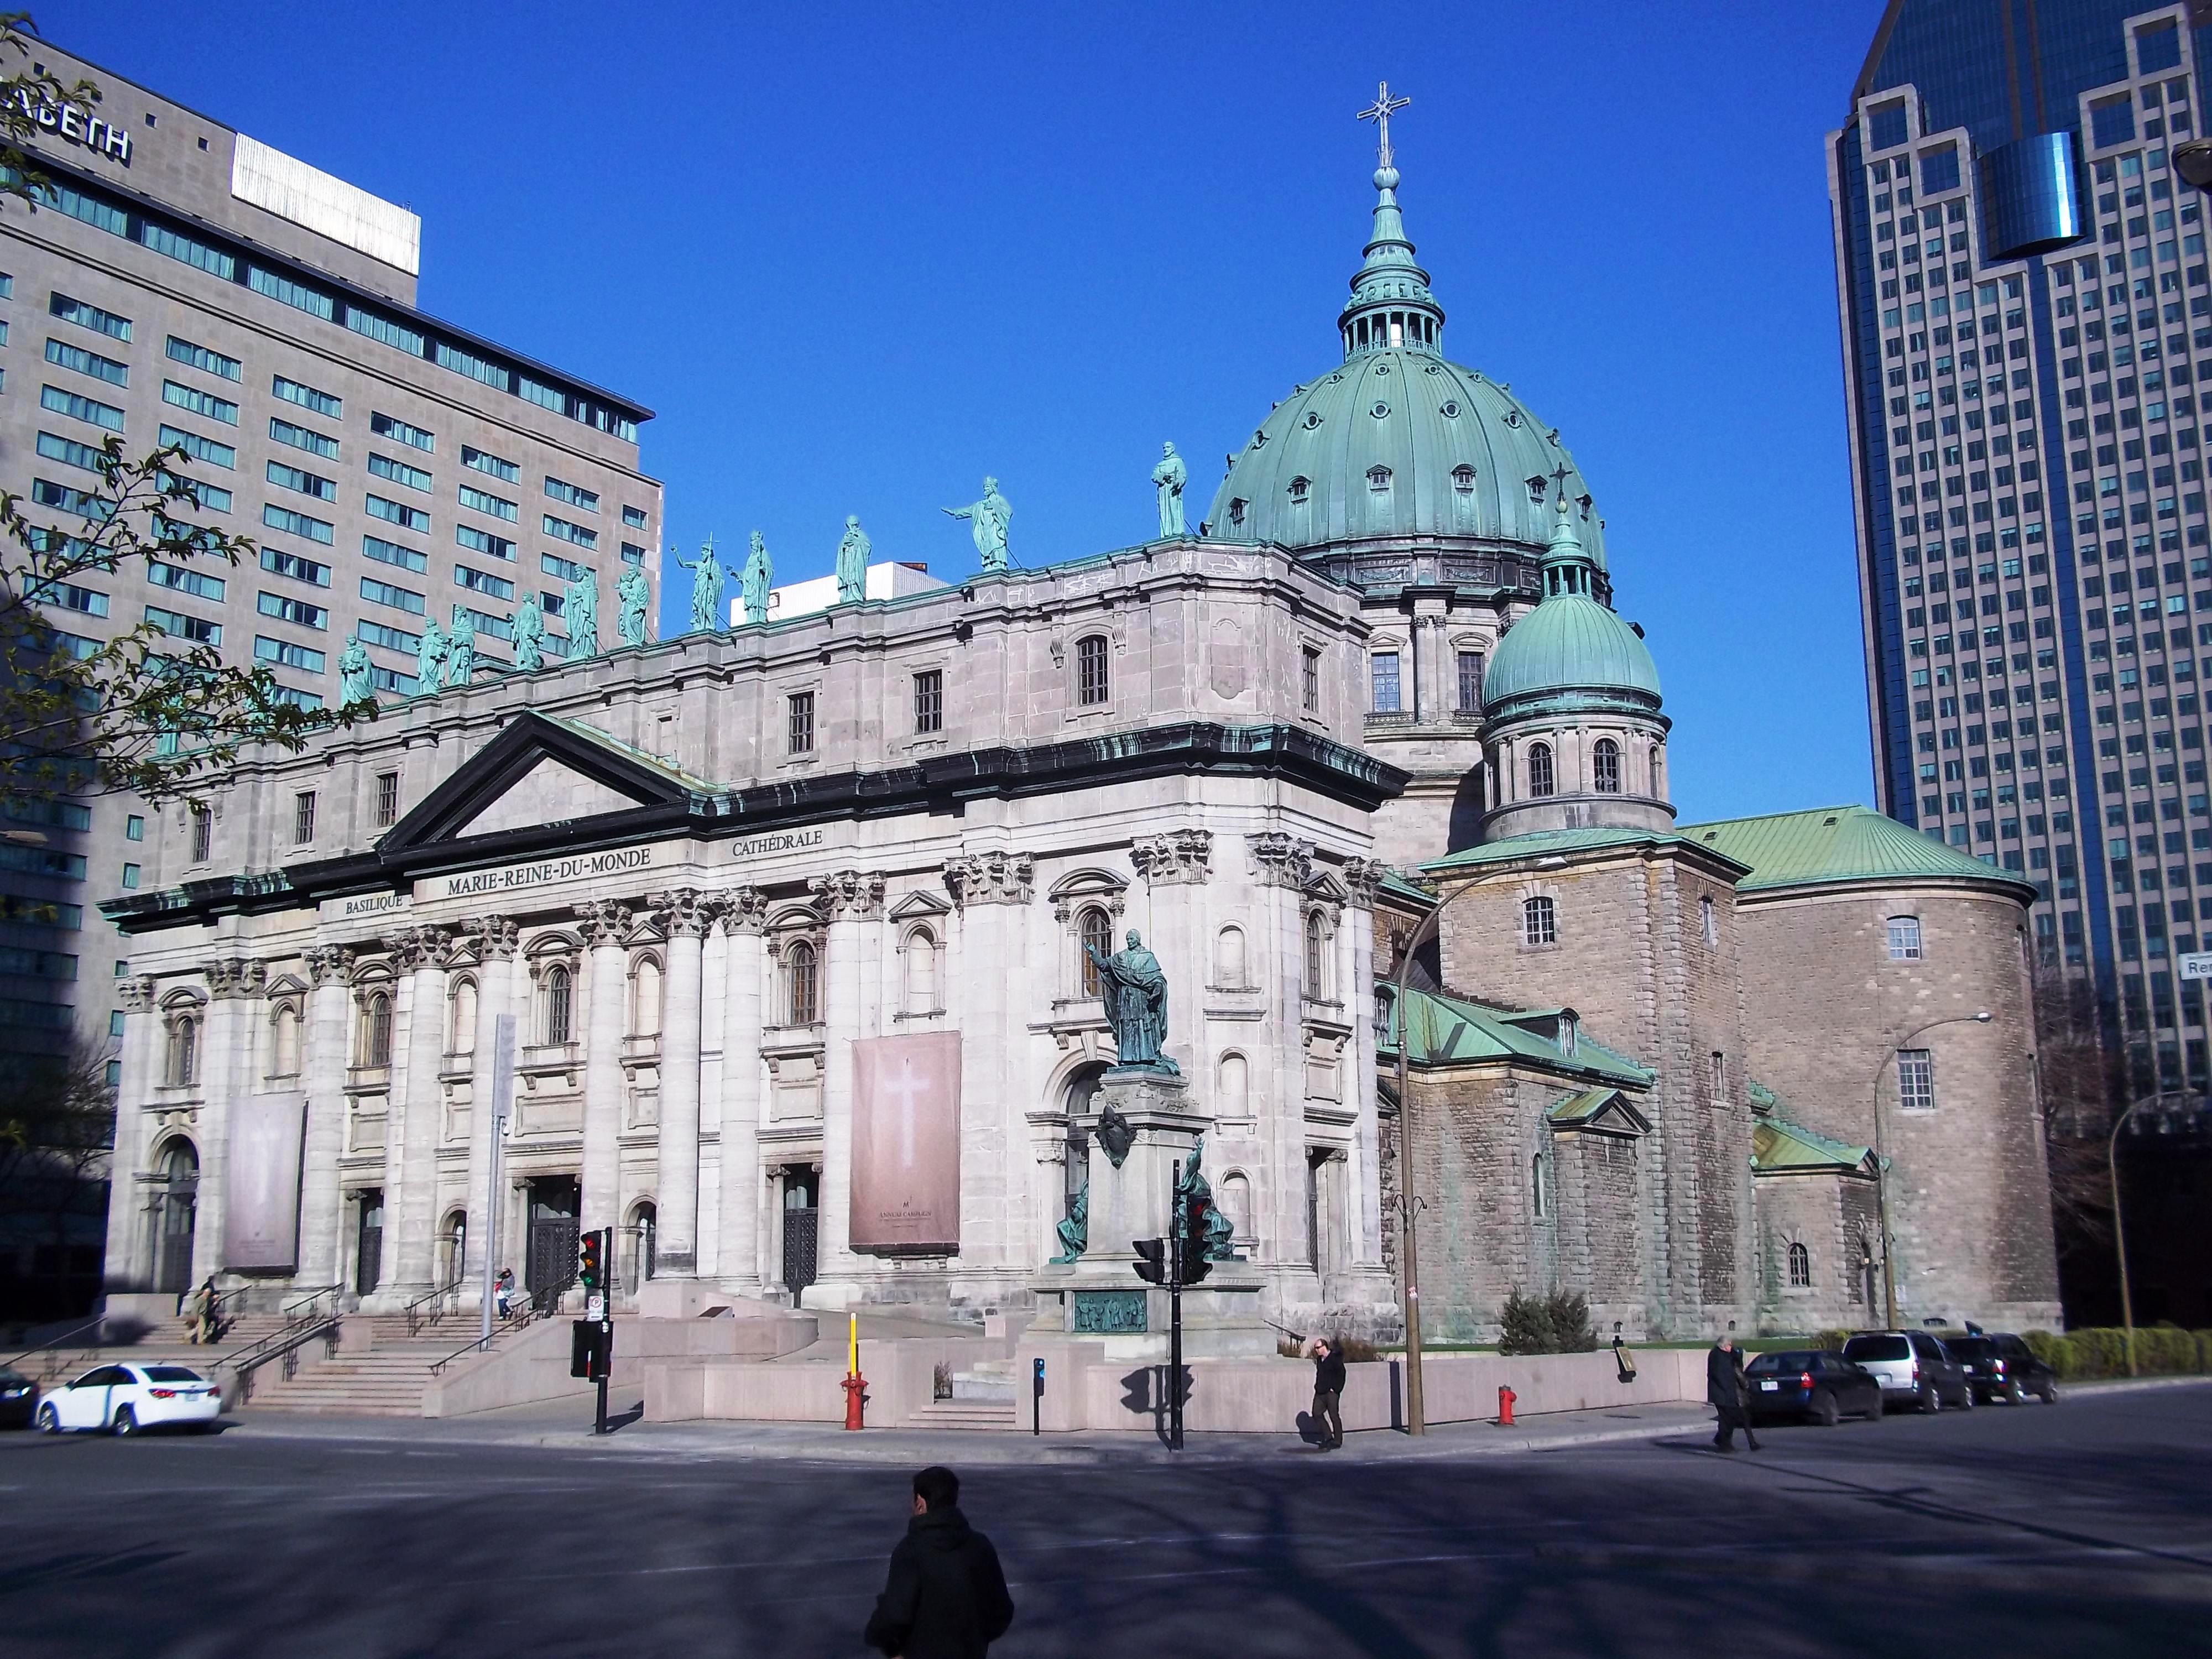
(1098, 1298)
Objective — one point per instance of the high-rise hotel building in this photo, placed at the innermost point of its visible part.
(2027, 345)
(187, 285)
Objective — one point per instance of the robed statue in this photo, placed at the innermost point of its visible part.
(580, 609)
(530, 634)
(752, 585)
(852, 563)
(355, 682)
(1075, 1232)
(632, 595)
(430, 658)
(990, 518)
(461, 648)
(1135, 992)
(706, 589)
(1169, 478)
(1219, 1243)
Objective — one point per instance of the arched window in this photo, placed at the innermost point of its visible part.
(1234, 1090)
(1463, 479)
(921, 972)
(1236, 512)
(1539, 921)
(284, 1041)
(461, 1018)
(1300, 489)
(1801, 1267)
(555, 1003)
(1229, 957)
(1539, 769)
(1904, 938)
(185, 1050)
(1316, 956)
(645, 997)
(1536, 1204)
(1384, 998)
(453, 1243)
(1709, 913)
(1093, 930)
(1605, 766)
(375, 1045)
(1091, 687)
(645, 1243)
(802, 983)
(1236, 1204)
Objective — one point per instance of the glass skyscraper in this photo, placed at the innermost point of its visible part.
(2027, 339)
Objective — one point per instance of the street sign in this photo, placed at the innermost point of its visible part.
(2196, 965)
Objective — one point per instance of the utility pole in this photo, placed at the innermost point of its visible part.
(502, 1090)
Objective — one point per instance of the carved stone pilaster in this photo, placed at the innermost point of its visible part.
(327, 962)
(848, 895)
(1180, 856)
(236, 976)
(1363, 878)
(990, 877)
(497, 937)
(1280, 861)
(425, 947)
(604, 921)
(685, 910)
(136, 995)
(743, 910)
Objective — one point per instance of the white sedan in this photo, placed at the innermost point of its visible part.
(125, 1399)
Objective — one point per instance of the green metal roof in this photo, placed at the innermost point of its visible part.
(1592, 1104)
(1406, 893)
(1837, 844)
(1449, 1031)
(1571, 652)
(1544, 843)
(1780, 1147)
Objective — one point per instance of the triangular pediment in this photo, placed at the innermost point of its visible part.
(549, 793)
(1598, 1111)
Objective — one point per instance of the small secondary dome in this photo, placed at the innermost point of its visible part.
(1571, 649)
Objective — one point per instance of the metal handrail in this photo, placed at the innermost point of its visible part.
(62, 1341)
(417, 1318)
(520, 1313)
(283, 1345)
(304, 1307)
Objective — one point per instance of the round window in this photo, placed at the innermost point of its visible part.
(1379, 410)
(1451, 411)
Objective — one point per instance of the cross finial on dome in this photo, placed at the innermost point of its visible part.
(1380, 112)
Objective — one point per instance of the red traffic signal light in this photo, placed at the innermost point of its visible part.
(1151, 1263)
(1196, 1266)
(591, 1262)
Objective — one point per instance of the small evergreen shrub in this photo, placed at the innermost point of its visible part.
(1557, 1323)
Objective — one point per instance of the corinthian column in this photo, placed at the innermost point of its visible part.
(424, 953)
(737, 1242)
(128, 1243)
(685, 916)
(233, 984)
(497, 937)
(852, 901)
(607, 986)
(322, 1070)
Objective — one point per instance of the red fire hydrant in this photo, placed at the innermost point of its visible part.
(1505, 1398)
(855, 1388)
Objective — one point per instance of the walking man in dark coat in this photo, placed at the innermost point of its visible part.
(945, 1597)
(1724, 1393)
(1328, 1389)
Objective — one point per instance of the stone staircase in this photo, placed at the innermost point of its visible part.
(984, 1396)
(379, 1370)
(165, 1345)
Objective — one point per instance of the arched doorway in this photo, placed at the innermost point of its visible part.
(176, 1212)
(368, 1242)
(644, 1244)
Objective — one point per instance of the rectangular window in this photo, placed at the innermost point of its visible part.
(83, 502)
(188, 250)
(212, 496)
(567, 570)
(301, 437)
(498, 506)
(203, 833)
(90, 411)
(176, 577)
(1719, 1076)
(632, 553)
(929, 701)
(400, 598)
(384, 552)
(322, 403)
(78, 205)
(1470, 681)
(1091, 687)
(1382, 669)
(177, 625)
(296, 612)
(483, 541)
(543, 396)
(130, 874)
(414, 477)
(500, 628)
(476, 368)
(361, 320)
(203, 358)
(385, 426)
(2112, 120)
(134, 828)
(285, 291)
(561, 531)
(388, 799)
(634, 517)
(799, 730)
(80, 361)
(1916, 1080)
(195, 402)
(297, 698)
(292, 565)
(199, 448)
(69, 451)
(89, 316)
(1310, 678)
(398, 512)
(390, 639)
(307, 484)
(484, 462)
(574, 495)
(284, 654)
(303, 817)
(483, 581)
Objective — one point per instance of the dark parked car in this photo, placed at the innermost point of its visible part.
(2002, 1367)
(1913, 1369)
(1811, 1383)
(19, 1398)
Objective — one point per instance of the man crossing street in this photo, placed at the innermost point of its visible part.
(1724, 1393)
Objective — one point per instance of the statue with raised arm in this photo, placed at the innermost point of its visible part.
(990, 518)
(1075, 1232)
(580, 609)
(461, 648)
(429, 658)
(632, 595)
(1219, 1244)
(706, 589)
(1169, 478)
(752, 586)
(529, 635)
(852, 563)
(355, 681)
(1135, 994)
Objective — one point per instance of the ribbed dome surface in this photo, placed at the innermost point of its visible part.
(1459, 452)
(1569, 644)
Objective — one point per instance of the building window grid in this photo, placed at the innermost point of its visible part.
(1540, 921)
(1916, 1080)
(1091, 680)
(388, 799)
(798, 723)
(929, 701)
(303, 817)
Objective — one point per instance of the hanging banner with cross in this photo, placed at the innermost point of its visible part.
(906, 1145)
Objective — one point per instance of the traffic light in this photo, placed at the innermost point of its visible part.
(1151, 1263)
(1192, 1243)
(592, 1263)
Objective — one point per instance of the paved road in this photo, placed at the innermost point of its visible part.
(2081, 1530)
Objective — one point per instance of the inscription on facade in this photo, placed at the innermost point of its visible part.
(796, 841)
(356, 905)
(73, 124)
(546, 872)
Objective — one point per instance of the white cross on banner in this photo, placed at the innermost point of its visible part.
(906, 1145)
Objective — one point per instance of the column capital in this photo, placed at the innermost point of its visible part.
(236, 976)
(993, 877)
(604, 922)
(1364, 876)
(137, 995)
(421, 949)
(1179, 857)
(328, 962)
(848, 895)
(497, 937)
(743, 911)
(684, 912)
(1281, 860)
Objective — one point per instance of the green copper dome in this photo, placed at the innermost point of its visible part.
(1571, 651)
(1398, 442)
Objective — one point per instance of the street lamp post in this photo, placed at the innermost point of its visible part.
(1881, 1162)
(2119, 1232)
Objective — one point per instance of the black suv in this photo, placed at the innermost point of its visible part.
(2000, 1366)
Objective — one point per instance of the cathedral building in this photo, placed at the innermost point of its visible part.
(772, 947)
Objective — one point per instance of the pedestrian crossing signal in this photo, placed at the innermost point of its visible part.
(591, 1262)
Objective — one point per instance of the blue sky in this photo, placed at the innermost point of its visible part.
(858, 257)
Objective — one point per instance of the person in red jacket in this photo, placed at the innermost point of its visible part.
(945, 1597)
